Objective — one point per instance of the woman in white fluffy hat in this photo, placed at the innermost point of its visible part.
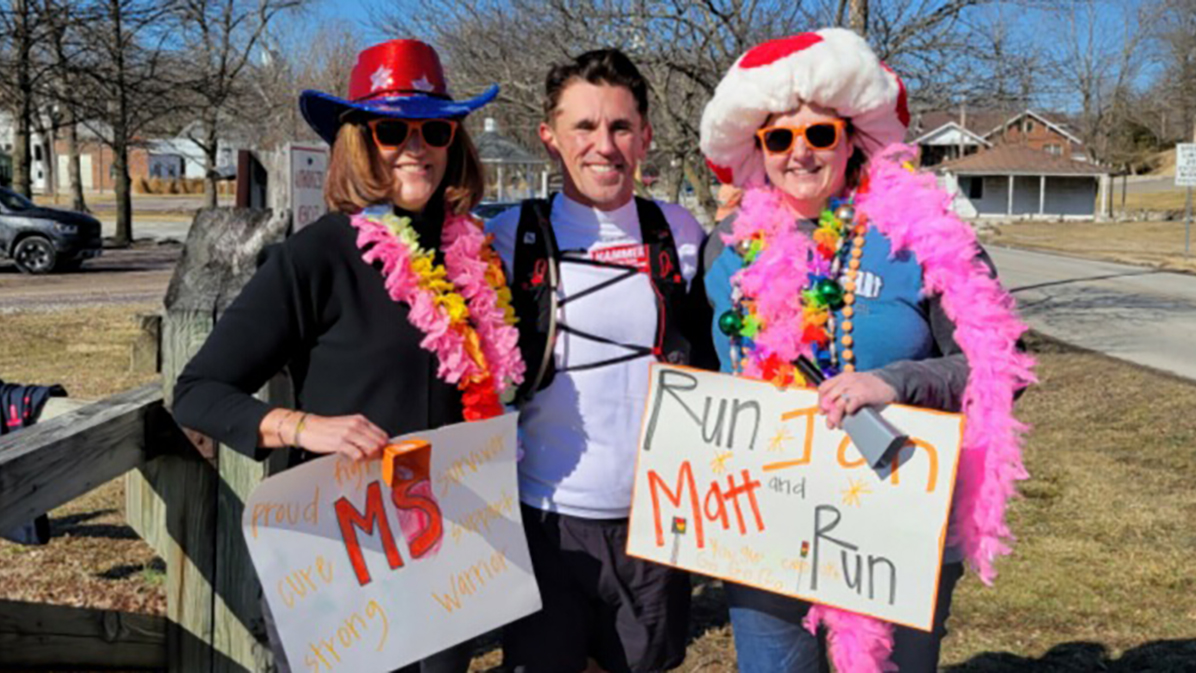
(841, 253)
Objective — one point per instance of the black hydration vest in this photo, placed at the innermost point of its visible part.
(536, 276)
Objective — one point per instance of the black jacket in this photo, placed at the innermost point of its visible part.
(316, 307)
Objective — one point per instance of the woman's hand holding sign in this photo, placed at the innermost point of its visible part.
(847, 393)
(352, 436)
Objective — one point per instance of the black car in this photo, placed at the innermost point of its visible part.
(41, 240)
(488, 210)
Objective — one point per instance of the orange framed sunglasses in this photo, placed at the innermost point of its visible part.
(818, 136)
(392, 133)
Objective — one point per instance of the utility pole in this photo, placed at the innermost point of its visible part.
(1188, 213)
(963, 126)
(859, 17)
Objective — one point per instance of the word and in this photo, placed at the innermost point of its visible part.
(795, 487)
(711, 506)
(279, 513)
(301, 583)
(324, 654)
(849, 557)
(471, 580)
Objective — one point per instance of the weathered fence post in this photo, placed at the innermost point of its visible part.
(189, 507)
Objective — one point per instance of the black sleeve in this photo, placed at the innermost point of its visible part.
(698, 318)
(253, 341)
(938, 382)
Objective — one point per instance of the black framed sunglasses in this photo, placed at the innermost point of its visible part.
(392, 133)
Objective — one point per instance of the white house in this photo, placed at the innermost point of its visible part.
(946, 142)
(1017, 181)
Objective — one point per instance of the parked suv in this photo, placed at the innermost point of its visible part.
(41, 240)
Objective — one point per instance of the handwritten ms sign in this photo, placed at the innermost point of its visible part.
(371, 566)
(739, 480)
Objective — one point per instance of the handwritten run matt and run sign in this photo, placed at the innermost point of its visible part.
(371, 566)
(740, 480)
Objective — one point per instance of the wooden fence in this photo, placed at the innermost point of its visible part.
(184, 493)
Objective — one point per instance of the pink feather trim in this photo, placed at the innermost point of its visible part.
(915, 215)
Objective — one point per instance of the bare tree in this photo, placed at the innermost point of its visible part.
(22, 70)
(1098, 56)
(1177, 86)
(221, 37)
(64, 45)
(297, 54)
(126, 81)
(684, 48)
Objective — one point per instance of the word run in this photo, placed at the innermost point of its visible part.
(711, 506)
(855, 575)
(419, 514)
(733, 419)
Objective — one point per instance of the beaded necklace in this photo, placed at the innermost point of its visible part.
(812, 316)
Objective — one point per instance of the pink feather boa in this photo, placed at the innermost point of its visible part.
(915, 215)
(466, 252)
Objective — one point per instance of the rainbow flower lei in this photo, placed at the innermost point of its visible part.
(463, 306)
(758, 315)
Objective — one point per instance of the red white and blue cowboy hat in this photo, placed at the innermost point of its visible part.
(399, 78)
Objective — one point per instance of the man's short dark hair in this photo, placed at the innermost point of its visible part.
(601, 66)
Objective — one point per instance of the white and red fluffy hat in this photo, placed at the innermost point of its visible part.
(833, 67)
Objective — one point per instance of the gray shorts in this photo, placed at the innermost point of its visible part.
(630, 616)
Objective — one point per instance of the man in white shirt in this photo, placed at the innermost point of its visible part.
(614, 293)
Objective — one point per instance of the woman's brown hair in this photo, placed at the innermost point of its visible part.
(358, 176)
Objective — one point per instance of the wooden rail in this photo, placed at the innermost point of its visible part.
(52, 463)
(185, 503)
(39, 635)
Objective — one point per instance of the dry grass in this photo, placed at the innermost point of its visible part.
(1159, 244)
(1102, 577)
(94, 559)
(1105, 528)
(84, 349)
(1171, 200)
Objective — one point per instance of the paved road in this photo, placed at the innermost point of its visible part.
(1130, 312)
(157, 229)
(136, 275)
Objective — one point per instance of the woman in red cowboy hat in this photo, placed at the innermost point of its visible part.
(391, 312)
(840, 253)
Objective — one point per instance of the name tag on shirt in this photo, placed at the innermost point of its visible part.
(633, 255)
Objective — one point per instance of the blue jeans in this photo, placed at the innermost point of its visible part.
(770, 638)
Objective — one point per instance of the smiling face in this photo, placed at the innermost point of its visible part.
(808, 178)
(417, 169)
(600, 137)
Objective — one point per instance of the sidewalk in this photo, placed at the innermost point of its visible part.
(1134, 313)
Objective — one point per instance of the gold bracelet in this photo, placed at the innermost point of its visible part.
(278, 429)
(299, 429)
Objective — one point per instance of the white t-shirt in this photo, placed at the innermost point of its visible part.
(579, 435)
